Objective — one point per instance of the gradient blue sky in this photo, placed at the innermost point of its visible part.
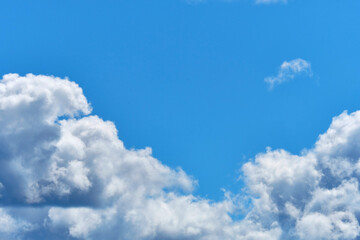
(188, 79)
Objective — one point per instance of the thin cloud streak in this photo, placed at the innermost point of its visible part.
(289, 70)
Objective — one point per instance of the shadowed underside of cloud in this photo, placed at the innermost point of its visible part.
(74, 179)
(289, 70)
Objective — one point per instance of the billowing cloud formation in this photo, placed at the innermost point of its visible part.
(64, 174)
(289, 70)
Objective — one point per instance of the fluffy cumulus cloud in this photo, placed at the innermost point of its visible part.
(289, 70)
(65, 174)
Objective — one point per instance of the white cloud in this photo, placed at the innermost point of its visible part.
(289, 70)
(79, 221)
(73, 178)
(336, 225)
(12, 228)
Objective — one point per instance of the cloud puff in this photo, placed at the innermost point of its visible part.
(65, 174)
(288, 71)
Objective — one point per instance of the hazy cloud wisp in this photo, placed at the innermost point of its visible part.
(289, 70)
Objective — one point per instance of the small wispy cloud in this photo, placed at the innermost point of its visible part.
(289, 70)
(270, 1)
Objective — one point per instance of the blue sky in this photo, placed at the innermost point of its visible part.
(187, 79)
